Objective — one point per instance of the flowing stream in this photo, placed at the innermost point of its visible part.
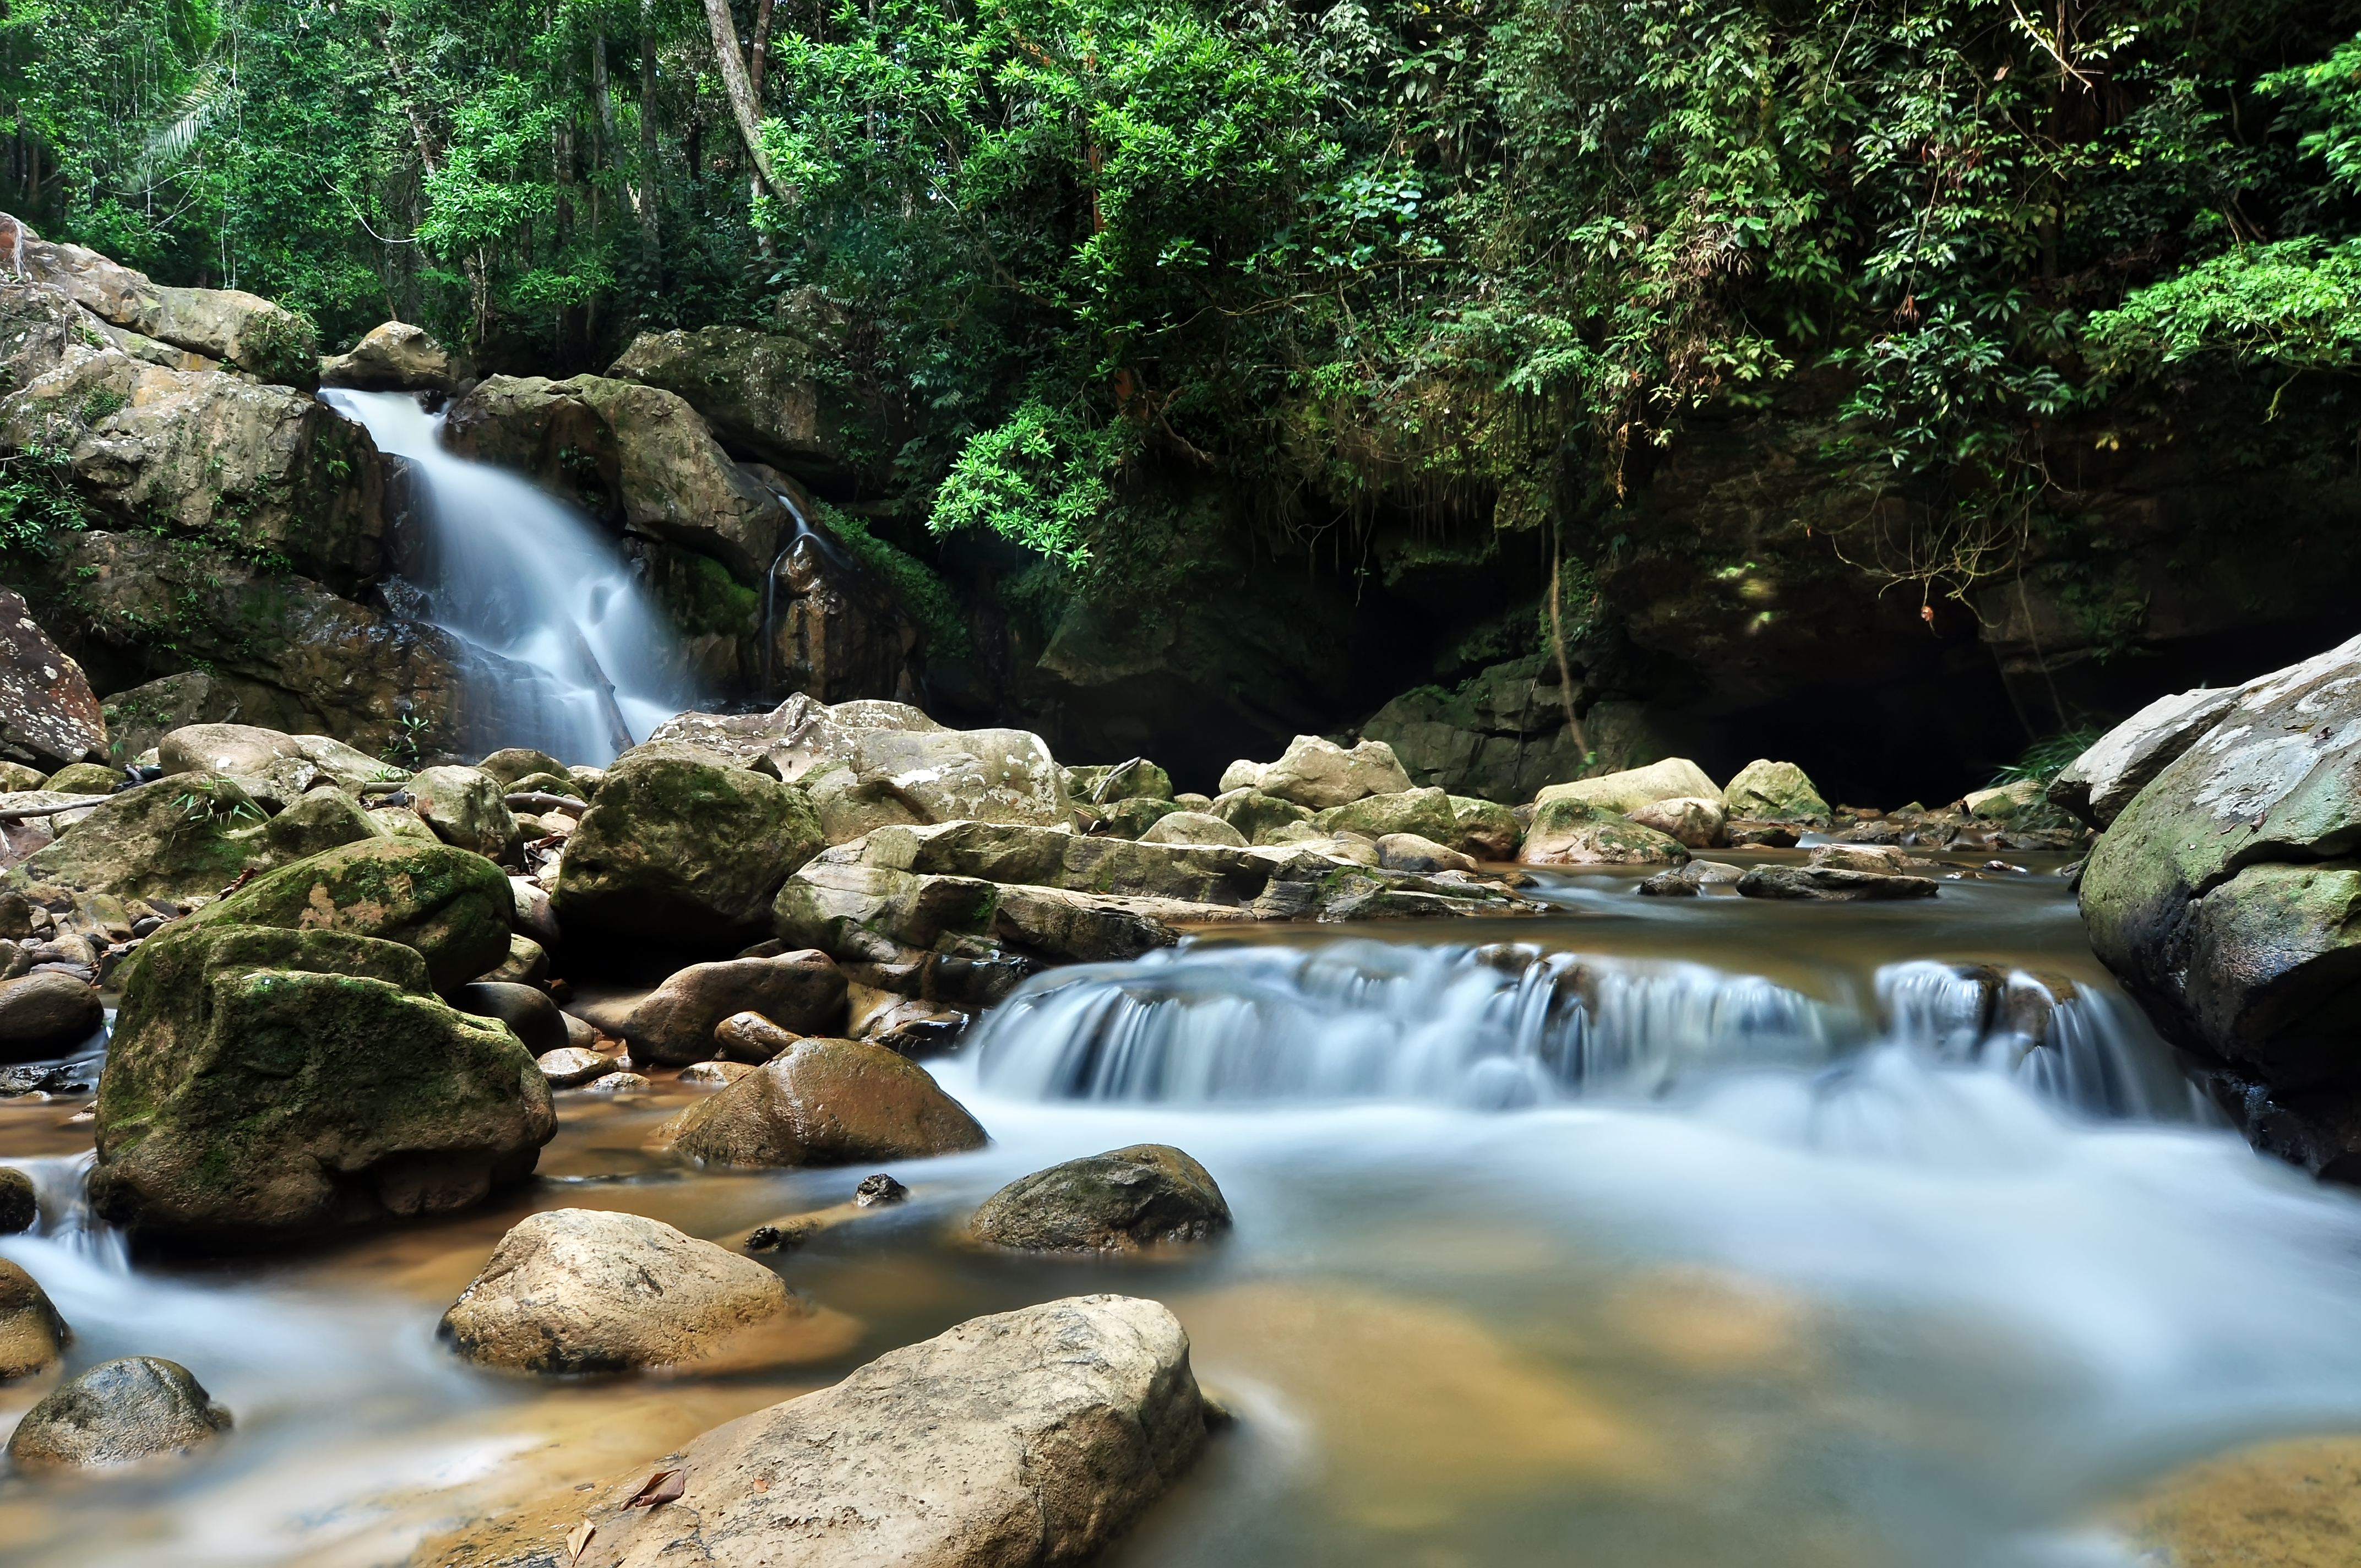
(1645, 1234)
(566, 654)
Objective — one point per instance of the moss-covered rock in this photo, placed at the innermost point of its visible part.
(1486, 830)
(32, 1335)
(1572, 832)
(83, 778)
(178, 838)
(1426, 812)
(1131, 819)
(1257, 815)
(466, 808)
(265, 1084)
(43, 1015)
(683, 846)
(512, 763)
(1766, 791)
(1192, 828)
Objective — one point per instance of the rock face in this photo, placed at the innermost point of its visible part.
(1766, 791)
(32, 1335)
(1047, 1431)
(758, 391)
(1316, 773)
(584, 1291)
(43, 1015)
(394, 357)
(228, 325)
(1673, 778)
(824, 1102)
(267, 1085)
(683, 846)
(802, 991)
(118, 1412)
(2226, 899)
(1123, 1201)
(2098, 784)
(48, 716)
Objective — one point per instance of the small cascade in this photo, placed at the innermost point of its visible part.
(568, 655)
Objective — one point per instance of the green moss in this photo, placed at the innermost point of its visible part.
(927, 597)
(454, 907)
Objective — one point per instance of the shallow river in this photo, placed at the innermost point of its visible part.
(1700, 1231)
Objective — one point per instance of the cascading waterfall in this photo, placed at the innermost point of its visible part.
(569, 656)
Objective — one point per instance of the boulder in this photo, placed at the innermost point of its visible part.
(395, 357)
(570, 1067)
(1503, 734)
(803, 990)
(511, 764)
(45, 1014)
(1832, 885)
(2006, 802)
(15, 778)
(1242, 774)
(1126, 1200)
(1426, 812)
(1772, 792)
(48, 717)
(1673, 778)
(83, 778)
(586, 1291)
(1023, 1439)
(1409, 852)
(230, 324)
(1567, 832)
(750, 1039)
(713, 1074)
(683, 846)
(265, 1085)
(878, 915)
(1696, 821)
(527, 965)
(1257, 816)
(272, 767)
(825, 1102)
(528, 1012)
(1318, 774)
(1132, 818)
(1691, 879)
(2098, 784)
(1136, 779)
(768, 395)
(32, 1336)
(1486, 830)
(175, 838)
(1192, 828)
(118, 1412)
(466, 807)
(21, 1206)
(450, 907)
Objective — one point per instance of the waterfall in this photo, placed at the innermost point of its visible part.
(1509, 1025)
(566, 654)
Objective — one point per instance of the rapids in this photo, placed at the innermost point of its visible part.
(1647, 1235)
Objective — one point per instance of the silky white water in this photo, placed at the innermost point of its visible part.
(1644, 1240)
(570, 657)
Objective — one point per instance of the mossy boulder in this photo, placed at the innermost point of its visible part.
(683, 846)
(1132, 818)
(1573, 832)
(512, 763)
(1426, 812)
(83, 778)
(452, 908)
(43, 1015)
(1258, 815)
(1765, 790)
(180, 837)
(33, 1337)
(1486, 830)
(269, 1084)
(466, 808)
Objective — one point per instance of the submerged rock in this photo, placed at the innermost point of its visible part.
(32, 1336)
(825, 1102)
(43, 1015)
(118, 1412)
(586, 1291)
(1046, 1432)
(2098, 784)
(1123, 1201)
(803, 990)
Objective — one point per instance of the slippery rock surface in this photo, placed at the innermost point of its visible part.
(825, 1102)
(1124, 1200)
(395, 357)
(683, 846)
(43, 1015)
(585, 1290)
(2098, 784)
(265, 1085)
(802, 991)
(1317, 773)
(19, 1204)
(48, 717)
(32, 1335)
(1673, 778)
(118, 1412)
(1192, 828)
(1021, 1440)
(570, 1067)
(1765, 790)
(1426, 812)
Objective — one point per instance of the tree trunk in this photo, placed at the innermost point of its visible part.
(761, 53)
(649, 235)
(742, 107)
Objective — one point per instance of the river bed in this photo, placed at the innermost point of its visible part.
(1649, 1234)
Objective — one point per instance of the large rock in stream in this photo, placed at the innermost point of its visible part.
(1021, 1440)
(1126, 1200)
(48, 716)
(825, 1102)
(118, 1412)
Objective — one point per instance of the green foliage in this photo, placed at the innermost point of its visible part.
(2296, 302)
(36, 500)
(1040, 479)
(920, 589)
(2046, 758)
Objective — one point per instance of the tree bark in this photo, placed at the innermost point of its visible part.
(649, 231)
(742, 107)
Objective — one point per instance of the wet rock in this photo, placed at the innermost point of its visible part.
(1409, 852)
(586, 1291)
(1048, 1431)
(1832, 885)
(1568, 833)
(1691, 879)
(1486, 830)
(1256, 815)
(1192, 828)
(42, 1015)
(1124, 1200)
(713, 1074)
(1426, 812)
(1675, 778)
(15, 778)
(118, 1412)
(265, 1085)
(1697, 822)
(570, 1067)
(768, 395)
(802, 991)
(527, 964)
(683, 846)
(1773, 792)
(32, 1336)
(1133, 817)
(177, 838)
(2098, 784)
(48, 717)
(825, 1102)
(752, 1040)
(1318, 774)
(618, 1084)
(466, 807)
(19, 1204)
(395, 357)
(1885, 860)
(529, 1012)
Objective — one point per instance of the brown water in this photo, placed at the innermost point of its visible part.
(1760, 1261)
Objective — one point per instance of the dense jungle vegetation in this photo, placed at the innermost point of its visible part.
(1468, 257)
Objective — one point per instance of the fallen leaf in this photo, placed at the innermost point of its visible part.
(661, 1489)
(577, 1537)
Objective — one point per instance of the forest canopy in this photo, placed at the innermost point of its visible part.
(1325, 252)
